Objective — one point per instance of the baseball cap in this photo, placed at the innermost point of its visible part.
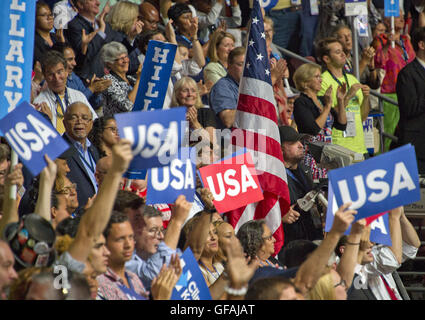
(289, 134)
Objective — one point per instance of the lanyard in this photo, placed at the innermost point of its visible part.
(339, 82)
(91, 165)
(405, 54)
(291, 174)
(208, 270)
(59, 100)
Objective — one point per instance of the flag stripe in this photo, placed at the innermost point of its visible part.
(257, 124)
(256, 88)
(257, 106)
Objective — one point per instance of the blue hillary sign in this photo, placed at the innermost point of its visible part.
(156, 136)
(379, 232)
(191, 284)
(391, 8)
(165, 184)
(378, 184)
(16, 51)
(31, 136)
(155, 75)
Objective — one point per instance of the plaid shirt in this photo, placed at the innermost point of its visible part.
(109, 286)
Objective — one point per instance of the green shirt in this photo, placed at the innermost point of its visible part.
(355, 143)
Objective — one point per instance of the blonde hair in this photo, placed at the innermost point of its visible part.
(122, 16)
(324, 288)
(304, 74)
(215, 41)
(177, 87)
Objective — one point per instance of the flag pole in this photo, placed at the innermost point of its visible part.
(13, 163)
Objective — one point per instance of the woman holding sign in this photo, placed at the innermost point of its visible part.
(314, 115)
(121, 94)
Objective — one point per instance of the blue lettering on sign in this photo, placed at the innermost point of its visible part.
(378, 184)
(167, 183)
(31, 136)
(156, 136)
(155, 76)
(16, 49)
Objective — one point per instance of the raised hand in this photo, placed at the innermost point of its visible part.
(15, 177)
(86, 39)
(163, 284)
(343, 219)
(121, 156)
(181, 209)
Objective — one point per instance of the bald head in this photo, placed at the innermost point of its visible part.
(7, 272)
(78, 121)
(149, 16)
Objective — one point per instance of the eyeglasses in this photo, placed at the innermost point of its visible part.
(268, 238)
(67, 190)
(341, 283)
(113, 129)
(156, 231)
(75, 118)
(121, 59)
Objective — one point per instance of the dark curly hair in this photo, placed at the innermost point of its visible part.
(250, 235)
(95, 135)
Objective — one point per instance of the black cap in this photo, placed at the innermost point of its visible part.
(177, 10)
(289, 134)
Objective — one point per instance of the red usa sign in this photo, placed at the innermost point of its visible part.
(232, 182)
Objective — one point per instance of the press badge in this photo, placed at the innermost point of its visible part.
(350, 131)
(314, 7)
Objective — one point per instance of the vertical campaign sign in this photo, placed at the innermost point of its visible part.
(17, 25)
(31, 136)
(191, 284)
(155, 76)
(165, 184)
(391, 8)
(378, 184)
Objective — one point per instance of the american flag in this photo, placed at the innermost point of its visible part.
(256, 120)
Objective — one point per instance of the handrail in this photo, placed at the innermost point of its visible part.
(291, 54)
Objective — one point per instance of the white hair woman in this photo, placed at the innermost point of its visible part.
(121, 94)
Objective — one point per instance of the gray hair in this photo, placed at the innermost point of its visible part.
(111, 51)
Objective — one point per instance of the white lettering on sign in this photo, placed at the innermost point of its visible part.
(246, 181)
(14, 72)
(160, 56)
(401, 180)
(179, 179)
(379, 223)
(25, 141)
(149, 139)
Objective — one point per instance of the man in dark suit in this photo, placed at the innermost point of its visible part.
(86, 20)
(411, 100)
(82, 155)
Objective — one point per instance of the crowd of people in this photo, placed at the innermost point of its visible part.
(82, 215)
